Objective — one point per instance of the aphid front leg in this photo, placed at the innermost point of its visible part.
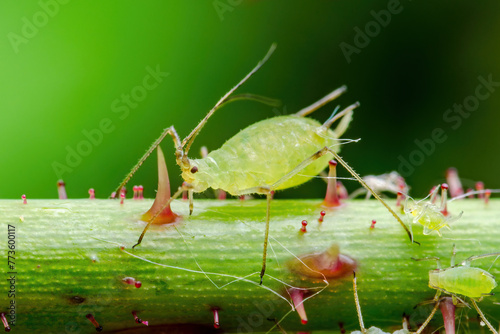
(179, 192)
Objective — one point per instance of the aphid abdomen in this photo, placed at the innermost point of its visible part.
(264, 152)
(467, 281)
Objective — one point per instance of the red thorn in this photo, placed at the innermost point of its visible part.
(342, 191)
(23, 197)
(480, 187)
(242, 197)
(303, 228)
(61, 189)
(331, 197)
(138, 284)
(222, 194)
(322, 216)
(5, 322)
(167, 216)
(444, 199)
(272, 194)
(113, 195)
(94, 322)
(448, 311)
(487, 194)
(215, 310)
(91, 193)
(298, 301)
(372, 226)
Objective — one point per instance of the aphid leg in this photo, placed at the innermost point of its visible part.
(318, 104)
(483, 317)
(190, 197)
(266, 236)
(358, 306)
(346, 115)
(429, 318)
(186, 143)
(168, 131)
(468, 261)
(174, 196)
(363, 183)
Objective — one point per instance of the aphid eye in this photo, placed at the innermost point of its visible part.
(194, 169)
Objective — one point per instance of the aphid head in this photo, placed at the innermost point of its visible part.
(194, 172)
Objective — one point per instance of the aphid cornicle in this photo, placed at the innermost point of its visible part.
(463, 280)
(262, 158)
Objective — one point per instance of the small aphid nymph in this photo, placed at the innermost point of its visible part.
(427, 214)
(463, 280)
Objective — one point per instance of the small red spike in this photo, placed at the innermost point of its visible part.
(138, 284)
(167, 216)
(448, 311)
(140, 192)
(5, 322)
(113, 195)
(136, 190)
(215, 310)
(480, 188)
(221, 194)
(341, 326)
(298, 301)
(94, 322)
(122, 196)
(138, 320)
(400, 198)
(332, 198)
(372, 226)
(321, 216)
(444, 199)
(91, 193)
(61, 189)
(453, 180)
(23, 197)
(129, 280)
(303, 228)
(487, 194)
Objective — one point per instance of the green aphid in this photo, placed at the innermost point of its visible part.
(273, 154)
(463, 280)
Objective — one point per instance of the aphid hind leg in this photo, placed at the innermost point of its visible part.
(179, 191)
(483, 317)
(429, 318)
(168, 131)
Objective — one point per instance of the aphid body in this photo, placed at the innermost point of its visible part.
(263, 153)
(463, 280)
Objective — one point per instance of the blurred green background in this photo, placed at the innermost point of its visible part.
(66, 65)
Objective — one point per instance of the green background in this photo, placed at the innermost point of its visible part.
(64, 78)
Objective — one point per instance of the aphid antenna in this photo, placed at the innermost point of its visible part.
(334, 117)
(188, 141)
(433, 258)
(318, 104)
(474, 192)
